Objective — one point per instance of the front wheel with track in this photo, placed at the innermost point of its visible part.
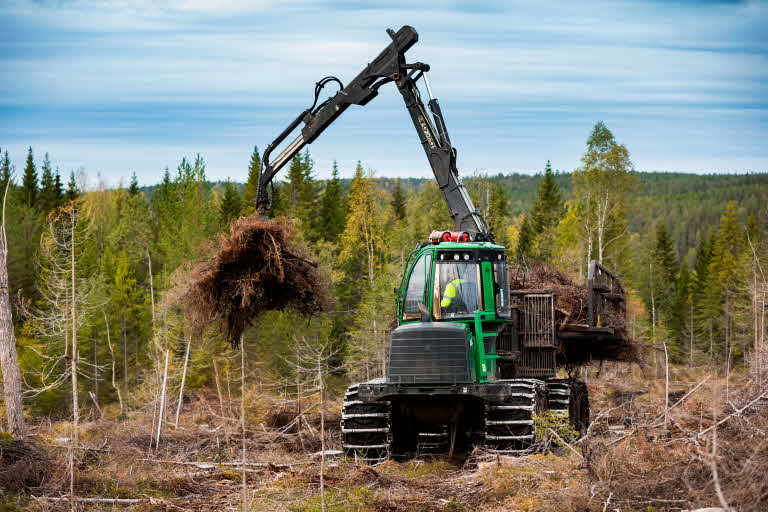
(366, 428)
(509, 421)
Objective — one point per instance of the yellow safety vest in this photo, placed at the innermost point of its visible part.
(450, 293)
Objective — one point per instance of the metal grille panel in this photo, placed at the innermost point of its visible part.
(537, 363)
(538, 320)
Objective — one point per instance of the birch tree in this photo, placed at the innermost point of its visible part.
(601, 186)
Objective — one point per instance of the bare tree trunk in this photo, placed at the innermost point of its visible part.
(690, 350)
(112, 353)
(666, 383)
(242, 417)
(74, 438)
(9, 361)
(322, 431)
(183, 380)
(125, 353)
(161, 412)
(218, 385)
(151, 288)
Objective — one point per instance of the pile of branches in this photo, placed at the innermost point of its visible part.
(570, 299)
(572, 311)
(257, 267)
(24, 465)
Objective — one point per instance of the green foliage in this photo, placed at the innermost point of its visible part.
(6, 171)
(537, 235)
(230, 206)
(363, 237)
(398, 202)
(73, 192)
(546, 422)
(133, 188)
(498, 214)
(47, 195)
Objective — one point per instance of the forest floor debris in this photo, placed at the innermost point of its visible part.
(629, 461)
(258, 266)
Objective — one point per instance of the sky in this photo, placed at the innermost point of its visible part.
(121, 86)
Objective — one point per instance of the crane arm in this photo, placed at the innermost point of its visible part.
(388, 66)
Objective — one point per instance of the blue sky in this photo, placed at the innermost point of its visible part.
(121, 86)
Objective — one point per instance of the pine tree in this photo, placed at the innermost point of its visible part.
(133, 188)
(72, 192)
(47, 199)
(29, 181)
(332, 212)
(252, 184)
(398, 201)
(6, 172)
(230, 205)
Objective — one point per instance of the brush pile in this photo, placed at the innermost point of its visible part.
(572, 313)
(257, 267)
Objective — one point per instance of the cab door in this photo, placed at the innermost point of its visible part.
(416, 299)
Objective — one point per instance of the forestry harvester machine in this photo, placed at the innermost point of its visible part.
(471, 361)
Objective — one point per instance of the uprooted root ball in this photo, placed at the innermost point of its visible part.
(257, 267)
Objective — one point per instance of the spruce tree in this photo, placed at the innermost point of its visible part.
(525, 239)
(252, 184)
(58, 187)
(6, 172)
(72, 192)
(47, 199)
(29, 181)
(666, 270)
(545, 214)
(133, 188)
(398, 201)
(332, 212)
(230, 205)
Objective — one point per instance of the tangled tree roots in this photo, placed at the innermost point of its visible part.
(257, 267)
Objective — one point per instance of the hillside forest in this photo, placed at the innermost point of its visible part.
(92, 268)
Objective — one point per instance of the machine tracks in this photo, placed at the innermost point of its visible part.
(569, 398)
(366, 428)
(509, 424)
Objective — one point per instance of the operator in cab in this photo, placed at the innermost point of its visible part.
(459, 288)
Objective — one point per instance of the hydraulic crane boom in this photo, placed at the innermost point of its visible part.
(388, 66)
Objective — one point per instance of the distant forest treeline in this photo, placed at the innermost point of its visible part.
(690, 204)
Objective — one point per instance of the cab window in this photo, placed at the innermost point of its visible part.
(415, 295)
(458, 288)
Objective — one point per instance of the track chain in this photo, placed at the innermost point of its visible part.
(509, 424)
(366, 428)
(569, 398)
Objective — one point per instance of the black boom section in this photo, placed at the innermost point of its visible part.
(422, 353)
